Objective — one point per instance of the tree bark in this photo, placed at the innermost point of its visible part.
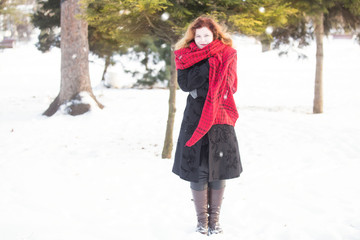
(75, 77)
(319, 35)
(168, 143)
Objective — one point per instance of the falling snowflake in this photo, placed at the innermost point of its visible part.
(126, 12)
(165, 16)
(269, 30)
(262, 9)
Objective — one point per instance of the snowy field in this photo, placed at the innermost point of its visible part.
(100, 176)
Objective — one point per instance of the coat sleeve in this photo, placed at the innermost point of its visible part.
(194, 77)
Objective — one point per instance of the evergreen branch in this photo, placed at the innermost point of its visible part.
(158, 31)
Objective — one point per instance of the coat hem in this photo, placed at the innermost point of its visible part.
(212, 180)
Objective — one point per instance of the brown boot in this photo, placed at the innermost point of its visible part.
(215, 200)
(200, 199)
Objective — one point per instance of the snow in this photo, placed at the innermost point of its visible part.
(100, 175)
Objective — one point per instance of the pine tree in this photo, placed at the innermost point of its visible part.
(167, 20)
(47, 19)
(151, 52)
(75, 79)
(318, 17)
(257, 18)
(163, 19)
(106, 47)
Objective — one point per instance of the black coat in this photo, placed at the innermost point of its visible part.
(220, 143)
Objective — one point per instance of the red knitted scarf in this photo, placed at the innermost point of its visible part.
(219, 107)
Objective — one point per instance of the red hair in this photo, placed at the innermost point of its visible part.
(218, 32)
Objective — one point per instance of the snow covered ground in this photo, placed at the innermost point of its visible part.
(100, 176)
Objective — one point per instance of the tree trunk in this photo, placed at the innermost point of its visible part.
(107, 64)
(319, 35)
(75, 77)
(265, 45)
(168, 144)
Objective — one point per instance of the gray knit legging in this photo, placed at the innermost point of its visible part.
(200, 186)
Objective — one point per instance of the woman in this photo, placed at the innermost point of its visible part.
(207, 150)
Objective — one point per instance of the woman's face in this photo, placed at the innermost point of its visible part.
(203, 36)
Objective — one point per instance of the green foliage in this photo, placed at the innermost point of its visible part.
(141, 17)
(115, 26)
(102, 45)
(134, 19)
(338, 14)
(115, 39)
(151, 52)
(47, 39)
(342, 15)
(143, 24)
(255, 16)
(47, 19)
